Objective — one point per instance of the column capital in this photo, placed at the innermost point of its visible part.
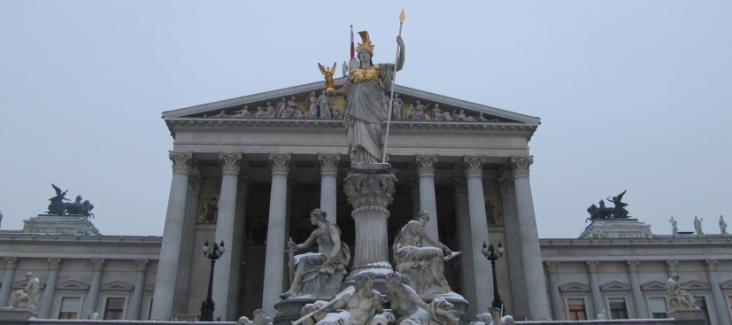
(633, 265)
(520, 165)
(329, 163)
(552, 266)
(54, 263)
(710, 264)
(230, 163)
(141, 264)
(10, 262)
(474, 166)
(592, 266)
(98, 264)
(181, 162)
(280, 163)
(426, 164)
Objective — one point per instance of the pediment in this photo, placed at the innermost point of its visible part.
(653, 285)
(73, 285)
(726, 284)
(694, 285)
(117, 285)
(574, 287)
(615, 286)
(294, 103)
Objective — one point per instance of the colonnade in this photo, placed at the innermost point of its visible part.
(473, 219)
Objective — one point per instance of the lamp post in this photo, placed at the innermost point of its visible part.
(207, 307)
(492, 254)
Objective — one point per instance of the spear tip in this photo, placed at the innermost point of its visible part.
(402, 17)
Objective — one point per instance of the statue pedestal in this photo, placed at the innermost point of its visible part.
(13, 316)
(66, 225)
(616, 228)
(688, 317)
(289, 310)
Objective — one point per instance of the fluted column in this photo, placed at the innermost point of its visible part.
(328, 187)
(91, 301)
(186, 251)
(720, 304)
(462, 218)
(478, 233)
(641, 308)
(237, 246)
(427, 200)
(8, 277)
(47, 299)
(513, 246)
(133, 312)
(172, 234)
(275, 250)
(597, 303)
(557, 302)
(536, 295)
(225, 232)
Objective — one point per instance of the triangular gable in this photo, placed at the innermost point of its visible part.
(73, 285)
(574, 287)
(694, 285)
(615, 286)
(118, 285)
(653, 286)
(726, 284)
(233, 108)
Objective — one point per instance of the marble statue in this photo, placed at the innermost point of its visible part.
(410, 309)
(674, 226)
(722, 225)
(280, 108)
(292, 110)
(419, 112)
(421, 259)
(439, 115)
(243, 113)
(259, 318)
(323, 106)
(698, 226)
(319, 274)
(678, 298)
(396, 108)
(268, 111)
(488, 319)
(366, 91)
(359, 304)
(411, 111)
(27, 297)
(335, 113)
(312, 106)
(57, 202)
(344, 69)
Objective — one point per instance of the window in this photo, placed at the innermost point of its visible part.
(702, 304)
(69, 308)
(618, 310)
(657, 307)
(114, 308)
(577, 309)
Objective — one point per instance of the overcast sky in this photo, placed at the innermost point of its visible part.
(632, 94)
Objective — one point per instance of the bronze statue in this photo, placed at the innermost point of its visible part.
(618, 211)
(79, 207)
(57, 202)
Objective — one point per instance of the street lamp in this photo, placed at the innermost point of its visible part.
(492, 254)
(207, 307)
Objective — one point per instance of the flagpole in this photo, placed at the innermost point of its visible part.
(402, 16)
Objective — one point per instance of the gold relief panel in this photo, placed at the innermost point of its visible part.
(208, 206)
(494, 210)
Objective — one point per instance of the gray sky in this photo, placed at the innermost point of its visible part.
(632, 94)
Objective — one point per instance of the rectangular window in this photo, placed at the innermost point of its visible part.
(114, 308)
(618, 310)
(702, 304)
(70, 307)
(577, 309)
(657, 307)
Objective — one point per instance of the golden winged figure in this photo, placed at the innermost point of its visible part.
(328, 74)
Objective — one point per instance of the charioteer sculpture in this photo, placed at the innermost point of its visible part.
(58, 206)
(618, 211)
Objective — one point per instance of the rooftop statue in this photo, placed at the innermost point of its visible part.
(722, 225)
(57, 202)
(78, 207)
(698, 226)
(618, 211)
(27, 297)
(367, 102)
(319, 274)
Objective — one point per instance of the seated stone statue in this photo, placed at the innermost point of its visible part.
(319, 274)
(27, 298)
(410, 309)
(359, 304)
(678, 298)
(421, 259)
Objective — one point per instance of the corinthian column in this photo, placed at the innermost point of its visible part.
(92, 296)
(47, 299)
(8, 277)
(720, 305)
(427, 201)
(537, 299)
(328, 192)
(557, 303)
(462, 218)
(597, 303)
(478, 233)
(225, 232)
(172, 234)
(513, 246)
(641, 308)
(137, 294)
(275, 249)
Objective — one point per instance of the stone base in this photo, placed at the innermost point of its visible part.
(12, 316)
(378, 270)
(289, 310)
(688, 317)
(616, 228)
(68, 225)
